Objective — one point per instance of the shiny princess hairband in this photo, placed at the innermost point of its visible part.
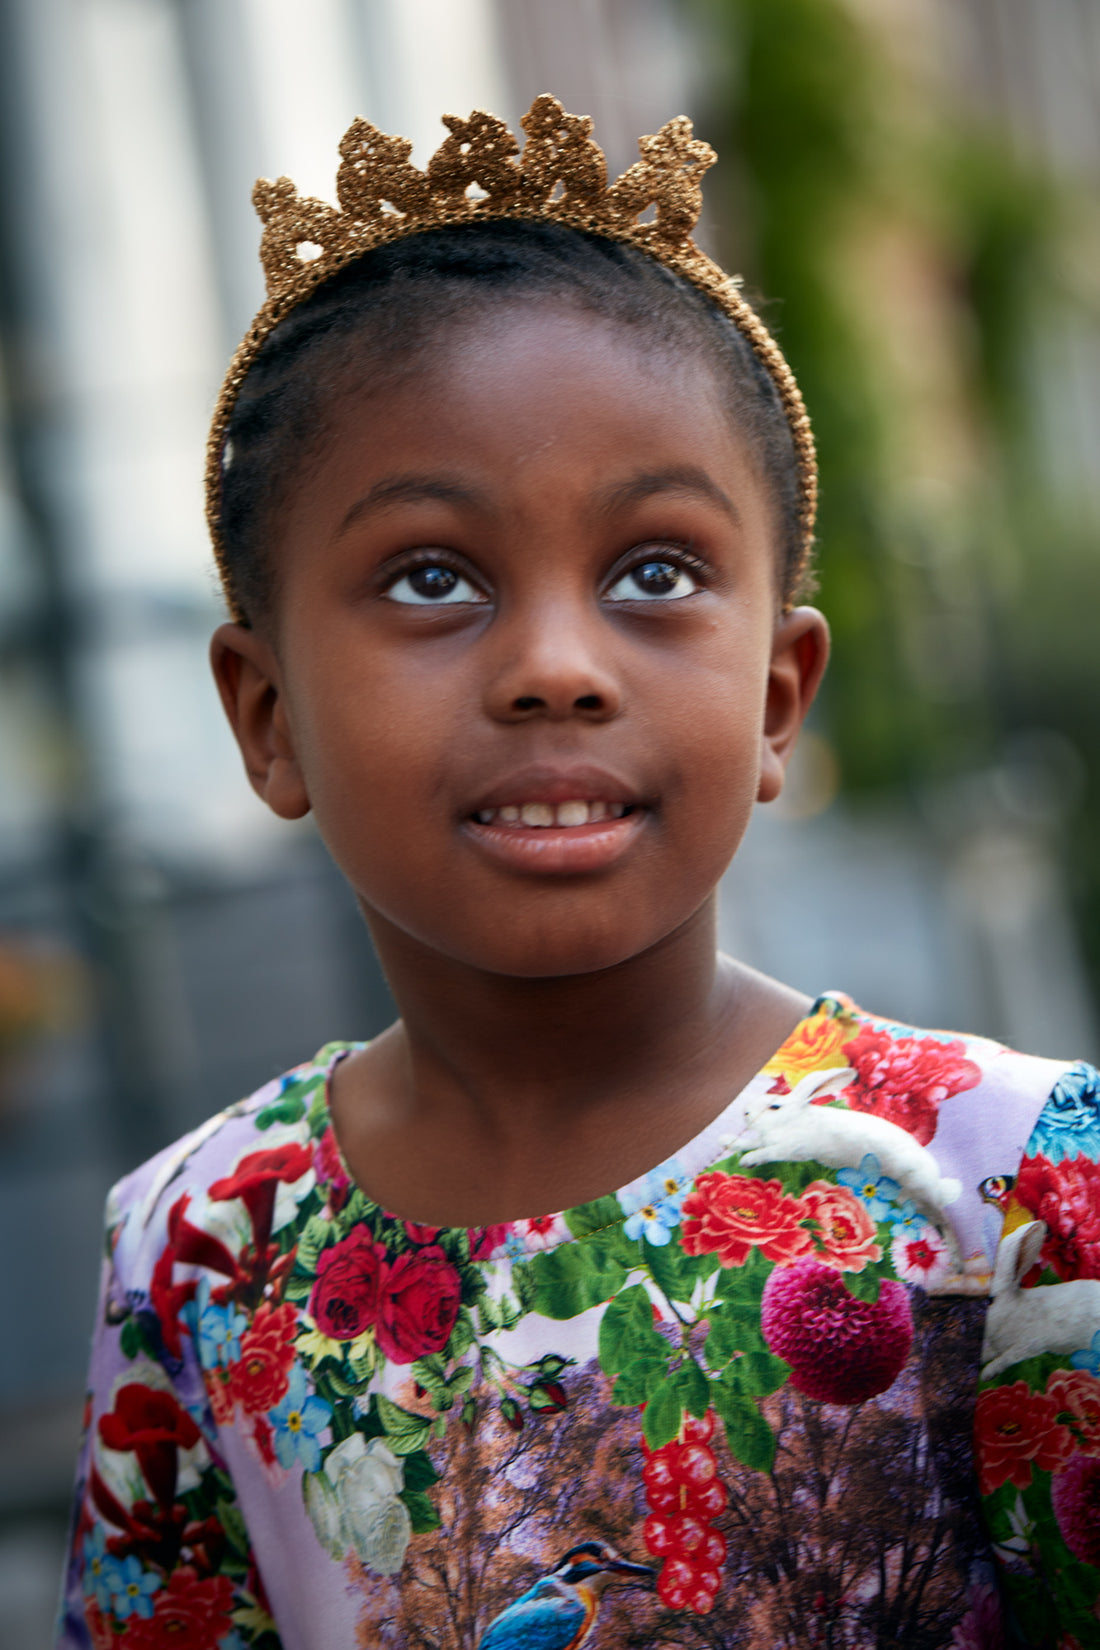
(478, 173)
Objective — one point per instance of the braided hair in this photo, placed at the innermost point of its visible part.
(388, 308)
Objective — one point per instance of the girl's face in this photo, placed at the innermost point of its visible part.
(527, 666)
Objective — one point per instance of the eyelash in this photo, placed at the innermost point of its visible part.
(677, 554)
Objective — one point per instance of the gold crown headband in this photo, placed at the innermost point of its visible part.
(477, 174)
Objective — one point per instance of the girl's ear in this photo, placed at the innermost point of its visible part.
(248, 677)
(800, 652)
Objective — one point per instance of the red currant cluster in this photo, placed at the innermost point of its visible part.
(685, 1493)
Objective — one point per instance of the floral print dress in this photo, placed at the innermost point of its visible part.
(830, 1376)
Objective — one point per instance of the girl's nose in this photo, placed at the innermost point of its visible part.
(553, 666)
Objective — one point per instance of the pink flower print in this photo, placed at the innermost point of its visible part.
(841, 1350)
(329, 1166)
(982, 1628)
(845, 1235)
(543, 1232)
(921, 1256)
(1075, 1496)
(904, 1079)
(1076, 1393)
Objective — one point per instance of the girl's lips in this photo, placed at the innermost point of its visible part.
(553, 848)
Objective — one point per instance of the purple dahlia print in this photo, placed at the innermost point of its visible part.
(1075, 1494)
(841, 1350)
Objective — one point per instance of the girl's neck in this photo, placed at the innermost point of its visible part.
(495, 1098)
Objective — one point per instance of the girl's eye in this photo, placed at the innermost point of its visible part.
(653, 581)
(433, 585)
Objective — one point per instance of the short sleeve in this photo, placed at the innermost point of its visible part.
(159, 1554)
(1038, 1412)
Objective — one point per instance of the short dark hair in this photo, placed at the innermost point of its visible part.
(394, 301)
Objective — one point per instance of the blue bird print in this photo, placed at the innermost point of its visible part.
(560, 1610)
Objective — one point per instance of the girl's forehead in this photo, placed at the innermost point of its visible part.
(493, 380)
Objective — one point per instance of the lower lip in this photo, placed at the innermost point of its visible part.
(559, 849)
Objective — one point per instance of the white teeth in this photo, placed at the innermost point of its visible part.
(543, 814)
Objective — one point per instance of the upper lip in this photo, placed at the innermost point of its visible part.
(544, 782)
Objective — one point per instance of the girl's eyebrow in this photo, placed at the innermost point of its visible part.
(678, 478)
(409, 489)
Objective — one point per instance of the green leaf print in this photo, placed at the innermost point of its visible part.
(733, 1329)
(419, 1472)
(627, 1331)
(750, 1438)
(662, 1416)
(315, 1235)
(405, 1433)
(757, 1374)
(596, 1216)
(236, 1532)
(692, 1388)
(675, 1273)
(290, 1109)
(573, 1278)
(134, 1342)
(640, 1380)
(421, 1511)
(863, 1285)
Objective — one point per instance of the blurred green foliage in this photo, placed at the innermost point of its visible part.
(962, 604)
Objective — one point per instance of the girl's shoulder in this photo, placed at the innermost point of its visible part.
(273, 1137)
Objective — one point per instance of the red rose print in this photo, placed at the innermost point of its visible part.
(256, 1180)
(846, 1233)
(841, 1350)
(100, 1630)
(421, 1234)
(223, 1400)
(345, 1297)
(186, 1612)
(1066, 1196)
(487, 1238)
(730, 1214)
(904, 1079)
(1015, 1429)
(259, 1380)
(152, 1424)
(1077, 1393)
(1075, 1496)
(418, 1304)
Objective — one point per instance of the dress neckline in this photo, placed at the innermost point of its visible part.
(645, 1200)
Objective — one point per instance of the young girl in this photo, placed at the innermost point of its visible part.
(512, 496)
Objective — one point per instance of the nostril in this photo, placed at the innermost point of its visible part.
(528, 701)
(589, 701)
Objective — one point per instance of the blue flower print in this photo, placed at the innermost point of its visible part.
(875, 1190)
(1069, 1123)
(95, 1561)
(907, 1218)
(220, 1331)
(129, 1587)
(653, 1204)
(298, 1421)
(1089, 1359)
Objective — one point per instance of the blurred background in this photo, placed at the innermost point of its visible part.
(914, 186)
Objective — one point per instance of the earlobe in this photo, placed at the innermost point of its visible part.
(800, 652)
(249, 684)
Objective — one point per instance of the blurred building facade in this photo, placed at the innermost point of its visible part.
(178, 946)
